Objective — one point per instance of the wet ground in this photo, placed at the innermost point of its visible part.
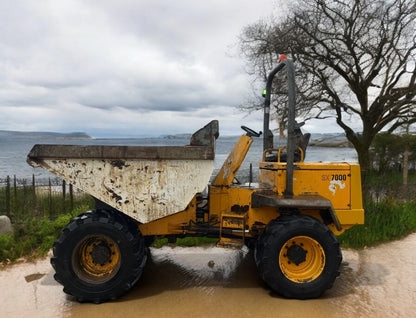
(212, 282)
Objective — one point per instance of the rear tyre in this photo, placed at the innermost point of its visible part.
(298, 257)
(98, 256)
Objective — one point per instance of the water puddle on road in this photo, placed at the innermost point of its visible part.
(199, 267)
(32, 277)
(214, 282)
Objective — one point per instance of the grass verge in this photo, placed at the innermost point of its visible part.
(33, 238)
(385, 221)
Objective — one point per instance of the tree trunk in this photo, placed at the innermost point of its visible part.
(363, 151)
(405, 164)
(364, 160)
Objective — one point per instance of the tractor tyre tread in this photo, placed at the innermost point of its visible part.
(272, 239)
(132, 251)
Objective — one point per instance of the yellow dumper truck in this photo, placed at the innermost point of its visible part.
(291, 216)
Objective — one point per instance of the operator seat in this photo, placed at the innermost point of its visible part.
(301, 141)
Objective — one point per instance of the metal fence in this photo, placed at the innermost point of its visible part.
(22, 199)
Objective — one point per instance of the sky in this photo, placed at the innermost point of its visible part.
(128, 67)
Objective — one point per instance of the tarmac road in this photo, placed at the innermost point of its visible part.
(212, 282)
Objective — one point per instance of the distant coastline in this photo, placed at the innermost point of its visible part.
(325, 140)
(337, 140)
(43, 134)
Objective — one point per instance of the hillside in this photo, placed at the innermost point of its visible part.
(43, 134)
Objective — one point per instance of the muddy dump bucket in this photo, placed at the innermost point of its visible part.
(146, 183)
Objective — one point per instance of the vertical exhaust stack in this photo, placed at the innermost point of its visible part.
(268, 135)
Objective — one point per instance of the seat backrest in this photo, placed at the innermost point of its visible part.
(301, 141)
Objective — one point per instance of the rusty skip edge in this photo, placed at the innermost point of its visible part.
(202, 147)
(39, 152)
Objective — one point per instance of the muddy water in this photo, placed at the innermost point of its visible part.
(211, 282)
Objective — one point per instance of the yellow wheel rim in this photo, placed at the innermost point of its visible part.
(302, 259)
(96, 259)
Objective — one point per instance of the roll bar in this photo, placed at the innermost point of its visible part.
(268, 135)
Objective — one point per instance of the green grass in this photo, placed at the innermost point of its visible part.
(385, 221)
(37, 219)
(186, 241)
(35, 237)
(32, 240)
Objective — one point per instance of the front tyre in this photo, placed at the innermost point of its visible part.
(98, 256)
(298, 257)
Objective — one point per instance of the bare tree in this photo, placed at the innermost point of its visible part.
(355, 59)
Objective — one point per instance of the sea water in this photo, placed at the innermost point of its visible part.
(15, 148)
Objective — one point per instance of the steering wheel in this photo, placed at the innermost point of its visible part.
(250, 132)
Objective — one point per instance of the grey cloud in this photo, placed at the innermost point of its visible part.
(127, 62)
